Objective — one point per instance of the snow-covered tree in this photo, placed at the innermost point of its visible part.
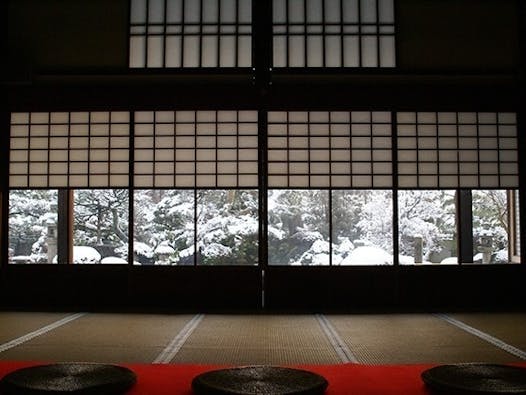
(30, 213)
(226, 232)
(490, 217)
(298, 220)
(101, 220)
(163, 217)
(426, 214)
(227, 227)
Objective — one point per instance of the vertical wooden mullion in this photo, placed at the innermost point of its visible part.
(165, 21)
(183, 26)
(309, 151)
(377, 34)
(218, 36)
(350, 150)
(497, 129)
(477, 123)
(131, 189)
(305, 34)
(262, 44)
(459, 174)
(200, 49)
(196, 246)
(418, 156)
(394, 154)
(330, 186)
(287, 34)
(89, 150)
(324, 34)
(263, 195)
(360, 54)
(236, 35)
(342, 36)
(147, 33)
(465, 225)
(216, 153)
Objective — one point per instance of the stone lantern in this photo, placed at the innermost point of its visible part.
(51, 239)
(486, 245)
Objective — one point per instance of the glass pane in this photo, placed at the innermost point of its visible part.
(33, 217)
(491, 227)
(427, 227)
(100, 229)
(163, 227)
(362, 232)
(298, 227)
(227, 227)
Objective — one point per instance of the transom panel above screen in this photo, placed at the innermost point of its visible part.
(196, 149)
(334, 33)
(330, 149)
(190, 33)
(69, 149)
(457, 149)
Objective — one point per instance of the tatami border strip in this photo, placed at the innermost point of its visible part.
(178, 341)
(31, 335)
(484, 336)
(336, 341)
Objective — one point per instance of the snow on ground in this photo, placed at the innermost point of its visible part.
(85, 254)
(113, 260)
(368, 255)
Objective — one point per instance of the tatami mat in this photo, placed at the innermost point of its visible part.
(508, 327)
(401, 339)
(15, 324)
(127, 338)
(258, 339)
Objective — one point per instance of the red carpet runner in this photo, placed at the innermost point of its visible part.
(345, 379)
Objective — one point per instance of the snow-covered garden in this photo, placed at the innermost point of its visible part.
(220, 227)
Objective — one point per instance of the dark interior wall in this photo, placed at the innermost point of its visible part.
(477, 35)
(67, 34)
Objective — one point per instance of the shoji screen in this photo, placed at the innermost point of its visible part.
(334, 33)
(329, 149)
(457, 149)
(196, 149)
(191, 33)
(69, 149)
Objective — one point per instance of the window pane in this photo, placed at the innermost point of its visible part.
(427, 227)
(362, 227)
(33, 217)
(491, 226)
(298, 227)
(163, 227)
(100, 233)
(227, 227)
